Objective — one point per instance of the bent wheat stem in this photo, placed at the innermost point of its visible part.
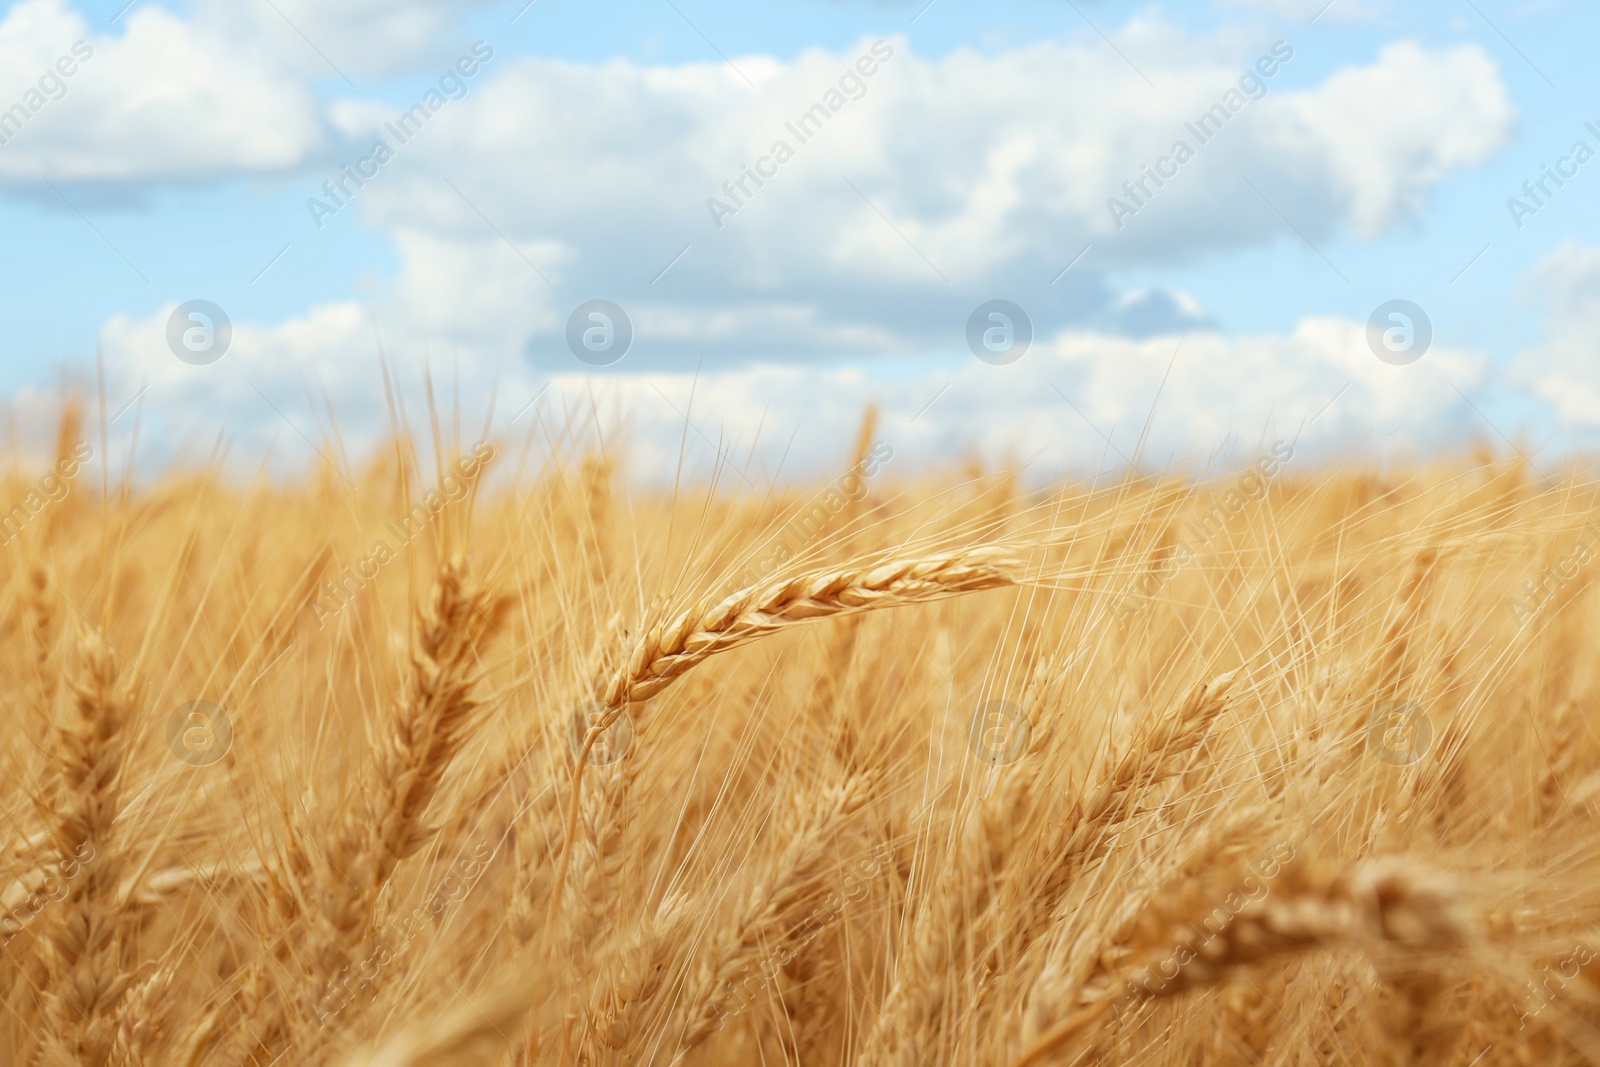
(667, 649)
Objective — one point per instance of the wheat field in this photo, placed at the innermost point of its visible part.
(478, 752)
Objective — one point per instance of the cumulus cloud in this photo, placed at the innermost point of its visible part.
(1564, 370)
(1076, 401)
(1305, 10)
(274, 385)
(929, 184)
(855, 203)
(356, 38)
(481, 293)
(1384, 160)
(331, 346)
(910, 190)
(162, 101)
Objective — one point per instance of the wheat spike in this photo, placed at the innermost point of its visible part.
(83, 978)
(771, 916)
(1392, 903)
(669, 648)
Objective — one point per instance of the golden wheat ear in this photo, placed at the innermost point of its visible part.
(328, 894)
(432, 719)
(1395, 904)
(771, 918)
(669, 647)
(83, 980)
(436, 713)
(1159, 752)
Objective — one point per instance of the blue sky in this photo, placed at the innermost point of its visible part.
(977, 163)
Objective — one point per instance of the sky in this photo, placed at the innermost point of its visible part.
(1065, 234)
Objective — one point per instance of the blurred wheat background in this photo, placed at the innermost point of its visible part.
(475, 753)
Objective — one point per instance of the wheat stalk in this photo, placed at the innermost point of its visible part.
(435, 715)
(432, 720)
(305, 900)
(913, 1013)
(615, 1015)
(670, 647)
(772, 915)
(1159, 752)
(333, 891)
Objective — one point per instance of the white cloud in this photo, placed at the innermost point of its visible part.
(1304, 10)
(326, 359)
(1386, 159)
(331, 347)
(930, 185)
(1564, 370)
(1218, 396)
(161, 101)
(986, 171)
(978, 158)
(481, 293)
(356, 38)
